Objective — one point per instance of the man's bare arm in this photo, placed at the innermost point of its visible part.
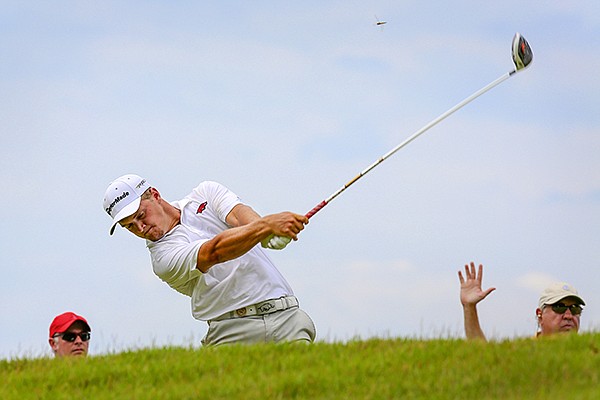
(471, 294)
(248, 230)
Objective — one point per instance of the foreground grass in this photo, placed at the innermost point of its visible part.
(560, 367)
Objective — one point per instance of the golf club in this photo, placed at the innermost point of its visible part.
(522, 57)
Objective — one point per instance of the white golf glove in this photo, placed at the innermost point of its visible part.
(275, 242)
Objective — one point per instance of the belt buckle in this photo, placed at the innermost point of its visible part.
(241, 312)
(265, 307)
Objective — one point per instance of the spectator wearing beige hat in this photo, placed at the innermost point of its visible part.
(69, 335)
(559, 307)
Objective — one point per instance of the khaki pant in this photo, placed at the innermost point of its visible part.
(291, 325)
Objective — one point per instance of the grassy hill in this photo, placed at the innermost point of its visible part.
(565, 367)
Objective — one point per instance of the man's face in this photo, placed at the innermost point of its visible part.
(149, 221)
(552, 321)
(77, 347)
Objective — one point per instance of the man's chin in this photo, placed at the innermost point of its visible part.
(568, 329)
(154, 234)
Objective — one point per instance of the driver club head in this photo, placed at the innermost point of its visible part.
(521, 52)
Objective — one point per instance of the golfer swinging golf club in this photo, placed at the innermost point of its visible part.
(205, 246)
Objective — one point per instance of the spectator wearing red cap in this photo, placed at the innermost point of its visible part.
(69, 335)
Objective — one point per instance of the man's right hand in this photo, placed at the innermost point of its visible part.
(470, 285)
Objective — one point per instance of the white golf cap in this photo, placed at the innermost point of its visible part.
(558, 291)
(123, 196)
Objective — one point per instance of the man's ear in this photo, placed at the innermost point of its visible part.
(538, 313)
(53, 344)
(155, 194)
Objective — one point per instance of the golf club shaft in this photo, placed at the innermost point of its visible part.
(466, 101)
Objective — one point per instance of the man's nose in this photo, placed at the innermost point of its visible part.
(140, 226)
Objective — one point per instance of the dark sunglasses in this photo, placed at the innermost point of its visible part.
(561, 308)
(71, 336)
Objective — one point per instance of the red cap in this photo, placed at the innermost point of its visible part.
(63, 321)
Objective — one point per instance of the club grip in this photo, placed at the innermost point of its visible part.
(316, 209)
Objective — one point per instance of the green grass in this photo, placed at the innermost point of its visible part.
(559, 367)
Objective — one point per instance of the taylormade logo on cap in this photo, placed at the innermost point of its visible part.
(110, 208)
(122, 197)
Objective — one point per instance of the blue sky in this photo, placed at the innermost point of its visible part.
(284, 103)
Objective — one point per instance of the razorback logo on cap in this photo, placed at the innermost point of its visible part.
(201, 207)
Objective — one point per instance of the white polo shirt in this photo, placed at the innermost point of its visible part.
(227, 286)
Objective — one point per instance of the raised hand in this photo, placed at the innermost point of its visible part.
(470, 285)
